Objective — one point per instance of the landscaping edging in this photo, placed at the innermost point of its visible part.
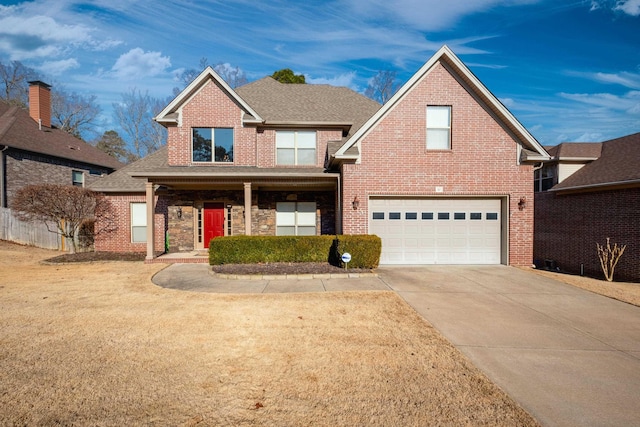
(291, 276)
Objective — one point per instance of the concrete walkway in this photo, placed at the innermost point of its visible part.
(568, 356)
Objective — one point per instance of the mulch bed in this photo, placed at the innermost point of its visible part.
(97, 256)
(274, 268)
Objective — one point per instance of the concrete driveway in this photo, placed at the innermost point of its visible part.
(568, 356)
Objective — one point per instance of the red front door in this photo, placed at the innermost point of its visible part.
(213, 221)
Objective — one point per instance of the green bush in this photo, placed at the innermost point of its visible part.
(364, 249)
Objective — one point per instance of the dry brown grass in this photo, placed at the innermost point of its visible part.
(622, 291)
(99, 344)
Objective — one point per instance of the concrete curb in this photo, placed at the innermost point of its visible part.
(290, 276)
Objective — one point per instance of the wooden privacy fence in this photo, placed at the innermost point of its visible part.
(29, 233)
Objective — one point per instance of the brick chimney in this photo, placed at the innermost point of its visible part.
(40, 102)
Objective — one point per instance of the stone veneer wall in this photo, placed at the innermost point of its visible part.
(182, 231)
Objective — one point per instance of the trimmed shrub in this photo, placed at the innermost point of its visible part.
(364, 250)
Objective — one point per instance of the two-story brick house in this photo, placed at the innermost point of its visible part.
(32, 151)
(442, 172)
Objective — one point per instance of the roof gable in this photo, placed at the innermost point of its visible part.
(617, 165)
(307, 104)
(532, 150)
(18, 130)
(170, 114)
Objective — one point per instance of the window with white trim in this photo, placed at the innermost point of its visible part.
(438, 127)
(545, 177)
(296, 218)
(295, 147)
(138, 222)
(212, 145)
(77, 178)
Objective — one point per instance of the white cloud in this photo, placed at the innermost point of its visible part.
(58, 67)
(137, 64)
(508, 102)
(24, 37)
(627, 103)
(623, 78)
(585, 137)
(426, 15)
(630, 7)
(346, 80)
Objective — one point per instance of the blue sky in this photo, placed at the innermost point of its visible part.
(568, 70)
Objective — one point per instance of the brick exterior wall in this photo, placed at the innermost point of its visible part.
(120, 239)
(482, 161)
(182, 232)
(567, 228)
(24, 168)
(211, 107)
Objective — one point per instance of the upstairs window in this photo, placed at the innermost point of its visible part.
(295, 147)
(77, 178)
(438, 127)
(545, 178)
(212, 145)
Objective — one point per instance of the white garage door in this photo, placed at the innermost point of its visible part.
(437, 231)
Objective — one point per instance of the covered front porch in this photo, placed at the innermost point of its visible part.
(198, 209)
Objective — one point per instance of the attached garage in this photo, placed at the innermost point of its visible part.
(438, 230)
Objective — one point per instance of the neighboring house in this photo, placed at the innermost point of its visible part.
(594, 194)
(442, 172)
(32, 151)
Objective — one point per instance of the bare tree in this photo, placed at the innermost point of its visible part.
(14, 82)
(609, 257)
(64, 209)
(135, 115)
(382, 86)
(73, 113)
(187, 76)
(234, 76)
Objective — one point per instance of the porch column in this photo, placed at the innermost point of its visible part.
(150, 225)
(247, 208)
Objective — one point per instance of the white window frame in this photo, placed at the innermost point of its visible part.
(297, 146)
(296, 219)
(77, 183)
(437, 126)
(213, 144)
(138, 222)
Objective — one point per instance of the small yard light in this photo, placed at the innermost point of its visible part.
(179, 212)
(355, 203)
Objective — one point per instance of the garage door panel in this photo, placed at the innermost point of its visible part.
(438, 231)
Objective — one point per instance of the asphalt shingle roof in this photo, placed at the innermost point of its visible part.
(290, 103)
(576, 150)
(121, 180)
(276, 103)
(18, 130)
(619, 161)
